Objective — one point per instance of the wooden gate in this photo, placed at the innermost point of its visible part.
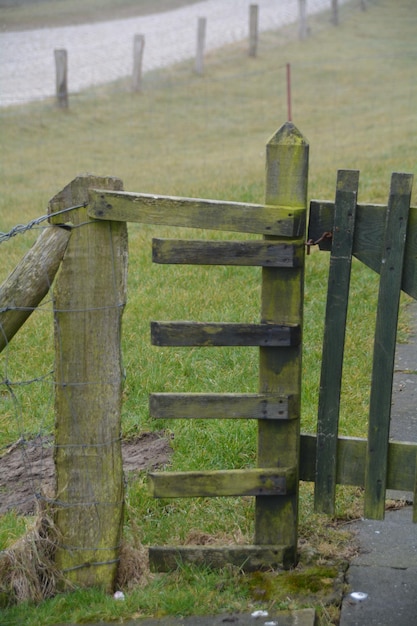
(385, 239)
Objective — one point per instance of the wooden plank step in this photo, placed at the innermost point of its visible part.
(223, 334)
(196, 213)
(223, 406)
(248, 253)
(248, 558)
(369, 232)
(210, 484)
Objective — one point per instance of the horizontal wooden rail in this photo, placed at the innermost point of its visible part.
(223, 406)
(351, 461)
(211, 484)
(369, 233)
(246, 558)
(256, 253)
(223, 334)
(196, 213)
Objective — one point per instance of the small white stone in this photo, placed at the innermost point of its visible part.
(119, 595)
(358, 596)
(259, 614)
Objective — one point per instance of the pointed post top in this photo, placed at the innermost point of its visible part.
(287, 168)
(288, 135)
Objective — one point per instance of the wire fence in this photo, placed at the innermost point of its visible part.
(23, 408)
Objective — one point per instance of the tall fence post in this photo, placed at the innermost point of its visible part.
(138, 48)
(61, 69)
(335, 12)
(280, 369)
(253, 29)
(302, 28)
(89, 297)
(201, 40)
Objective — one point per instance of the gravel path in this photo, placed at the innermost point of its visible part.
(102, 52)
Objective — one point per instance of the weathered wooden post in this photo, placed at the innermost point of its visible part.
(201, 40)
(280, 370)
(335, 12)
(253, 29)
(89, 298)
(30, 281)
(138, 48)
(302, 29)
(61, 67)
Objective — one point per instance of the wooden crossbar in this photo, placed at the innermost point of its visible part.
(281, 221)
(248, 558)
(256, 253)
(209, 484)
(223, 334)
(223, 406)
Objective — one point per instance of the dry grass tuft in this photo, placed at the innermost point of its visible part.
(133, 568)
(27, 569)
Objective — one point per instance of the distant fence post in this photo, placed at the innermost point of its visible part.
(302, 30)
(335, 12)
(138, 48)
(89, 298)
(61, 67)
(253, 29)
(280, 369)
(201, 40)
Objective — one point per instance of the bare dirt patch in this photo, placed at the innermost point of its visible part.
(27, 468)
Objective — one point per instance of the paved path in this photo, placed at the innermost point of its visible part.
(102, 52)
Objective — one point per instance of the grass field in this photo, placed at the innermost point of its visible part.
(355, 99)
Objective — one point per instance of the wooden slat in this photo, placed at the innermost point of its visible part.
(223, 334)
(369, 232)
(249, 482)
(197, 252)
(196, 213)
(384, 345)
(351, 459)
(246, 558)
(227, 406)
(334, 339)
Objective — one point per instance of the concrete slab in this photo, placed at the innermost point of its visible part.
(391, 597)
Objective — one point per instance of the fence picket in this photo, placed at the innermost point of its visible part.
(334, 339)
(384, 346)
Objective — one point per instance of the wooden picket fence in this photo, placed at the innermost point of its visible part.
(89, 379)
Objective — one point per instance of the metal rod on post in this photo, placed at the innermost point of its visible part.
(276, 518)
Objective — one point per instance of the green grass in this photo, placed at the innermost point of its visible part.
(355, 98)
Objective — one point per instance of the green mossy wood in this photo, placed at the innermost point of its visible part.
(276, 518)
(228, 406)
(90, 293)
(211, 484)
(197, 213)
(30, 281)
(255, 253)
(369, 232)
(384, 344)
(334, 339)
(223, 334)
